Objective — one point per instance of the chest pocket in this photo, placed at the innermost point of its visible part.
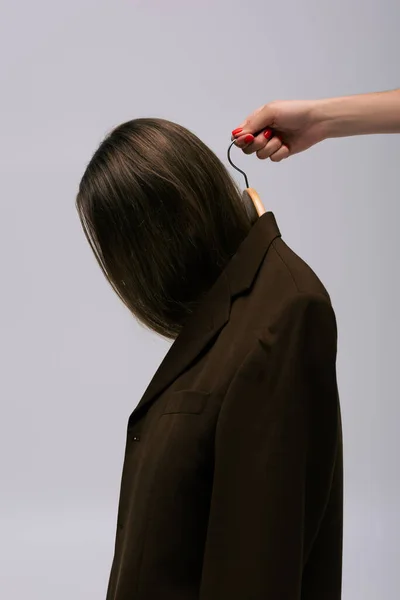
(186, 402)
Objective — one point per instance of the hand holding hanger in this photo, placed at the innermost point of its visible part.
(286, 127)
(279, 129)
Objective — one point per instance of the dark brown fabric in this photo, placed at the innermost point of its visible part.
(232, 483)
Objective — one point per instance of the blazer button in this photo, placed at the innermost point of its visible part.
(136, 438)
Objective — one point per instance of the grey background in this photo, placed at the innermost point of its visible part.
(74, 363)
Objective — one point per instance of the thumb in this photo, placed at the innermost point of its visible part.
(259, 119)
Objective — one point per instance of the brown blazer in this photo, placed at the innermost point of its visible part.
(232, 480)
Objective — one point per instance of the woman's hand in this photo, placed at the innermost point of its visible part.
(289, 127)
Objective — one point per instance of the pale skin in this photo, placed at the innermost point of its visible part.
(295, 125)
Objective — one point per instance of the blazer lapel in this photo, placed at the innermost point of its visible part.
(213, 313)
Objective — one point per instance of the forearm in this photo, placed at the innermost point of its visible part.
(360, 114)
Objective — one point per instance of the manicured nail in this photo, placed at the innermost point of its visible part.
(248, 138)
(236, 131)
(268, 134)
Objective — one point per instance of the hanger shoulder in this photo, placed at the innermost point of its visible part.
(255, 198)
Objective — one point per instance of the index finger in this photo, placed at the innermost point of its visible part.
(263, 134)
(243, 133)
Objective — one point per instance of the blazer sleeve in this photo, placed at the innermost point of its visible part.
(275, 446)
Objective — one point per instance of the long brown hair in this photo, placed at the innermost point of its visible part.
(162, 216)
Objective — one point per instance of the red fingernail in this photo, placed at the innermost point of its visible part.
(248, 138)
(268, 133)
(236, 131)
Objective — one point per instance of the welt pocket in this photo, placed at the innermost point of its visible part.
(186, 402)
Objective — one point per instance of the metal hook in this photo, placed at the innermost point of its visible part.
(234, 166)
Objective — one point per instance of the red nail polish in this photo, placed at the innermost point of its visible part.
(248, 138)
(236, 131)
(268, 134)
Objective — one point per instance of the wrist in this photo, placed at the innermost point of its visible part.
(333, 117)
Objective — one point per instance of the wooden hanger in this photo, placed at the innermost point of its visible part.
(255, 198)
(248, 192)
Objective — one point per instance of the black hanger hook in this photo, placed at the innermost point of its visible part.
(234, 166)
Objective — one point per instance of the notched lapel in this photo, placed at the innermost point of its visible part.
(200, 329)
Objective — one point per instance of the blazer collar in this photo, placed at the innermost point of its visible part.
(213, 313)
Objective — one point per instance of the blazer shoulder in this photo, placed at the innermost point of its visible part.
(295, 297)
(307, 322)
(301, 277)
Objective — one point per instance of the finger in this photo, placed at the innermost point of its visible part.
(280, 154)
(259, 119)
(236, 133)
(244, 140)
(270, 148)
(259, 142)
(251, 144)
